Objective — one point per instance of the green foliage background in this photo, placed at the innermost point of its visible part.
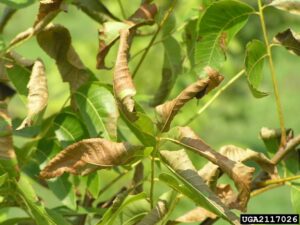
(236, 117)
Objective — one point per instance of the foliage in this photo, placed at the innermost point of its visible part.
(108, 126)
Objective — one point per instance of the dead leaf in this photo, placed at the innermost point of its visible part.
(89, 155)
(226, 194)
(198, 214)
(137, 180)
(143, 16)
(241, 175)
(55, 40)
(167, 111)
(38, 93)
(6, 91)
(122, 81)
(7, 153)
(290, 40)
(47, 7)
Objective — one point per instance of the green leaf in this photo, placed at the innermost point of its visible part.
(292, 6)
(68, 129)
(97, 107)
(190, 37)
(134, 212)
(143, 128)
(3, 178)
(192, 185)
(290, 40)
(93, 184)
(160, 210)
(220, 22)
(34, 206)
(295, 195)
(64, 190)
(12, 215)
(111, 214)
(254, 62)
(17, 4)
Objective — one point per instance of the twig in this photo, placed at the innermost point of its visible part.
(216, 95)
(262, 190)
(273, 74)
(168, 13)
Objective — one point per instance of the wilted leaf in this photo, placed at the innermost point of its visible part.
(38, 93)
(123, 84)
(98, 109)
(168, 110)
(289, 39)
(89, 155)
(292, 6)
(241, 174)
(95, 10)
(254, 62)
(159, 211)
(108, 36)
(171, 68)
(55, 40)
(218, 25)
(8, 159)
(196, 215)
(192, 184)
(138, 177)
(47, 7)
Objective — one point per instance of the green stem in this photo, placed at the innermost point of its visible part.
(216, 95)
(279, 181)
(264, 189)
(273, 74)
(166, 16)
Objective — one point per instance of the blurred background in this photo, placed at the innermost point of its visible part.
(234, 118)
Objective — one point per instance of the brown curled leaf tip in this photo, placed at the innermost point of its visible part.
(167, 111)
(122, 82)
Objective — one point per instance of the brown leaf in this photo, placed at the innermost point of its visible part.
(196, 215)
(290, 40)
(122, 81)
(55, 40)
(38, 93)
(240, 174)
(5, 91)
(226, 194)
(167, 111)
(8, 160)
(138, 176)
(46, 7)
(143, 16)
(89, 155)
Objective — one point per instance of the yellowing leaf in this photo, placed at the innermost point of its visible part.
(167, 111)
(123, 84)
(89, 155)
(38, 93)
(242, 175)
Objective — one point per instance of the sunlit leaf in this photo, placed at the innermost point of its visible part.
(89, 155)
(254, 62)
(195, 215)
(167, 111)
(38, 93)
(242, 175)
(122, 81)
(295, 196)
(220, 22)
(193, 186)
(292, 6)
(290, 40)
(98, 110)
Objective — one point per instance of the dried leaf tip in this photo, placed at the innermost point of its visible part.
(123, 84)
(214, 76)
(38, 93)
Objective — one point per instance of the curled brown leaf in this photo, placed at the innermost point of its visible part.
(290, 40)
(167, 111)
(241, 175)
(198, 214)
(122, 82)
(89, 155)
(38, 93)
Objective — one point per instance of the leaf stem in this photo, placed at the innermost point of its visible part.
(165, 18)
(273, 74)
(216, 95)
(278, 181)
(264, 189)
